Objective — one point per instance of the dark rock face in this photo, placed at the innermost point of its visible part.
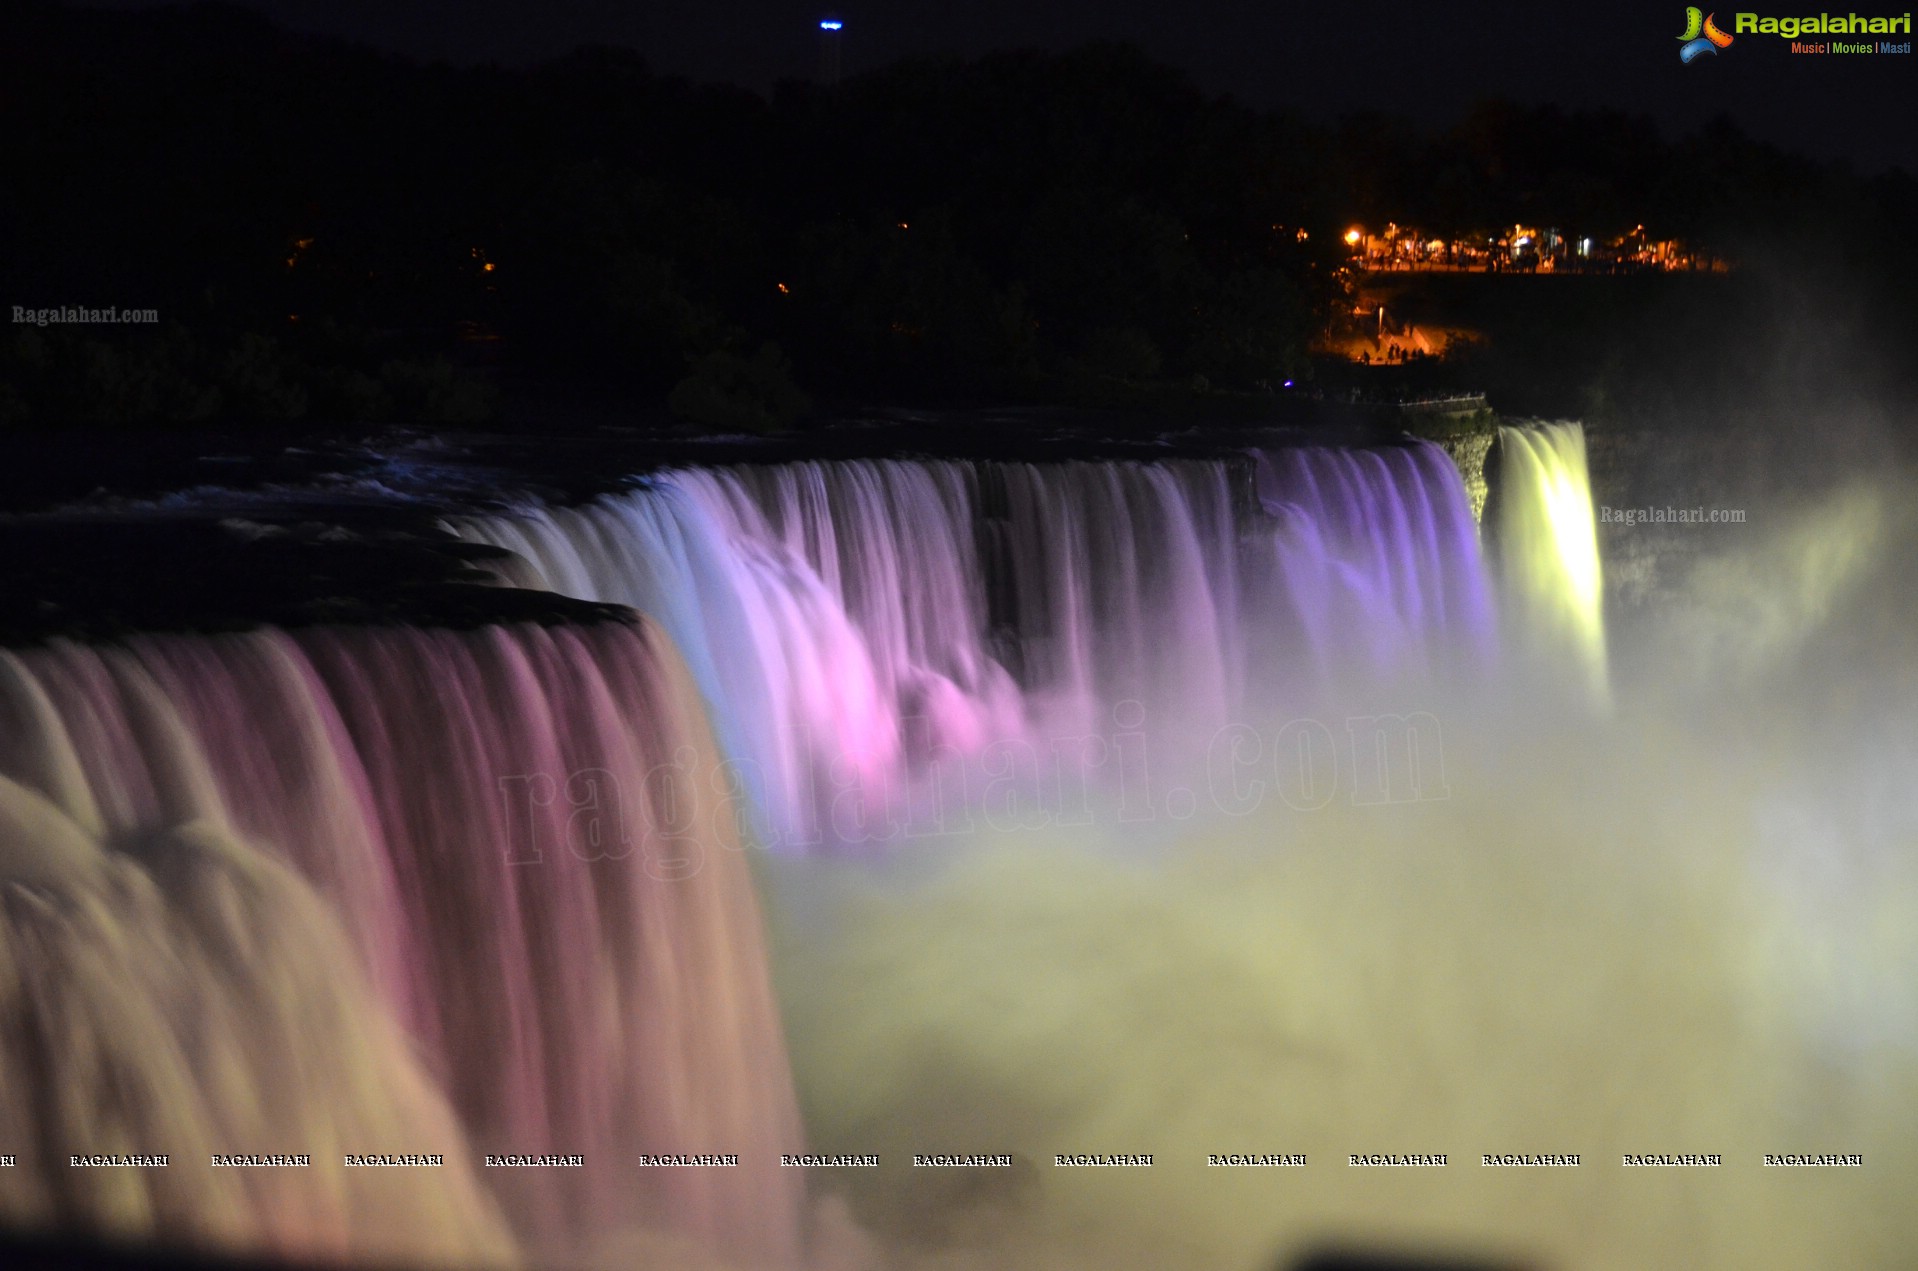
(1468, 452)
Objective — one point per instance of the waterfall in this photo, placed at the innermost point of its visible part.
(840, 616)
(1553, 590)
(1378, 556)
(423, 890)
(399, 891)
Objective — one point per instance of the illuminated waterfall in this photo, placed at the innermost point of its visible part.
(795, 689)
(404, 890)
(1553, 590)
(400, 889)
(840, 615)
(1379, 558)
(246, 878)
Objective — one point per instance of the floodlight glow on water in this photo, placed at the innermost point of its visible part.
(1554, 586)
(1164, 806)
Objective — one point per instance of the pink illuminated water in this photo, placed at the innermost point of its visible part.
(292, 850)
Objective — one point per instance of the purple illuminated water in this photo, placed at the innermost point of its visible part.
(834, 612)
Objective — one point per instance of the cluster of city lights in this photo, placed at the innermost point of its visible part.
(1521, 247)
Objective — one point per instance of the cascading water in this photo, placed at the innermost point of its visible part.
(1684, 925)
(233, 864)
(1377, 549)
(409, 890)
(1553, 588)
(834, 612)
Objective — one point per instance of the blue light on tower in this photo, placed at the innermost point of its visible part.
(830, 34)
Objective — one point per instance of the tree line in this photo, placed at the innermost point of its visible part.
(333, 233)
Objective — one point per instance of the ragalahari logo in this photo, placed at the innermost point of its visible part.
(1701, 36)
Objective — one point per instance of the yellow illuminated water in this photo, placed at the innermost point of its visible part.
(1548, 552)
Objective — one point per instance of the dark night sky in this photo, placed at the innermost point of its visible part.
(1429, 60)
